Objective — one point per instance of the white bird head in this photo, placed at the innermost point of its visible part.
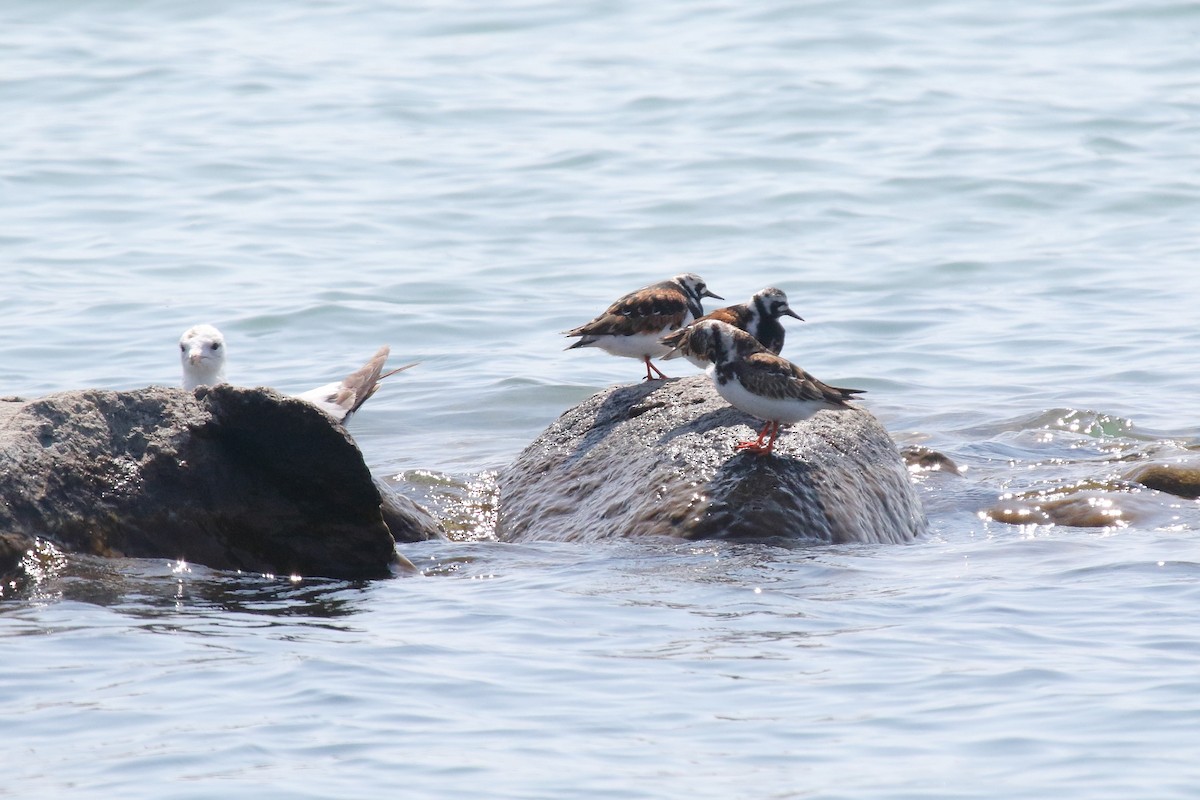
(773, 303)
(694, 286)
(202, 353)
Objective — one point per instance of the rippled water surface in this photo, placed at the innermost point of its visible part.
(987, 216)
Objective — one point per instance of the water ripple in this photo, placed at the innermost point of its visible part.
(987, 216)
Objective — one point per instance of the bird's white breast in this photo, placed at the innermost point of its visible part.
(637, 345)
(783, 410)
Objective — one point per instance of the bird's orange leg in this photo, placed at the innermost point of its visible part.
(755, 446)
(771, 442)
(661, 375)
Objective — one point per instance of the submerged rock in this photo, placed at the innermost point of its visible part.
(405, 518)
(920, 458)
(1077, 507)
(658, 458)
(228, 477)
(1179, 479)
(13, 547)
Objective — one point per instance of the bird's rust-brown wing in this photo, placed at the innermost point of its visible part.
(675, 338)
(779, 379)
(733, 315)
(644, 311)
(737, 316)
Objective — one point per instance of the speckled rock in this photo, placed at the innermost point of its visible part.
(659, 458)
(228, 477)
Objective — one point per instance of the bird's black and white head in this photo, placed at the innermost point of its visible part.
(694, 287)
(715, 342)
(772, 303)
(202, 354)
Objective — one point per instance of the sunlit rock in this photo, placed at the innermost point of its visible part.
(13, 547)
(920, 458)
(1181, 480)
(659, 458)
(1085, 505)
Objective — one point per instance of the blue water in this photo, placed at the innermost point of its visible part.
(987, 215)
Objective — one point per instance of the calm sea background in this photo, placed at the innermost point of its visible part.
(989, 215)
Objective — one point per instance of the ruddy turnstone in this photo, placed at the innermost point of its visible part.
(202, 352)
(759, 318)
(759, 382)
(633, 325)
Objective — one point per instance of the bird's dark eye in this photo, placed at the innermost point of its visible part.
(216, 345)
(182, 347)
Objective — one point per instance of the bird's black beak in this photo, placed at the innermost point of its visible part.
(707, 293)
(791, 313)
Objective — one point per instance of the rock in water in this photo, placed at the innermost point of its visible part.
(658, 458)
(13, 547)
(228, 477)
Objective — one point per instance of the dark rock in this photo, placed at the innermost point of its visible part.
(1079, 507)
(924, 459)
(13, 548)
(407, 521)
(228, 477)
(1181, 480)
(658, 458)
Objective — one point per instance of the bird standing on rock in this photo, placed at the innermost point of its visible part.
(759, 317)
(754, 380)
(633, 325)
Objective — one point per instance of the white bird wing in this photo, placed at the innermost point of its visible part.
(342, 398)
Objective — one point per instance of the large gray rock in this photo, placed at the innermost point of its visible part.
(227, 477)
(659, 458)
